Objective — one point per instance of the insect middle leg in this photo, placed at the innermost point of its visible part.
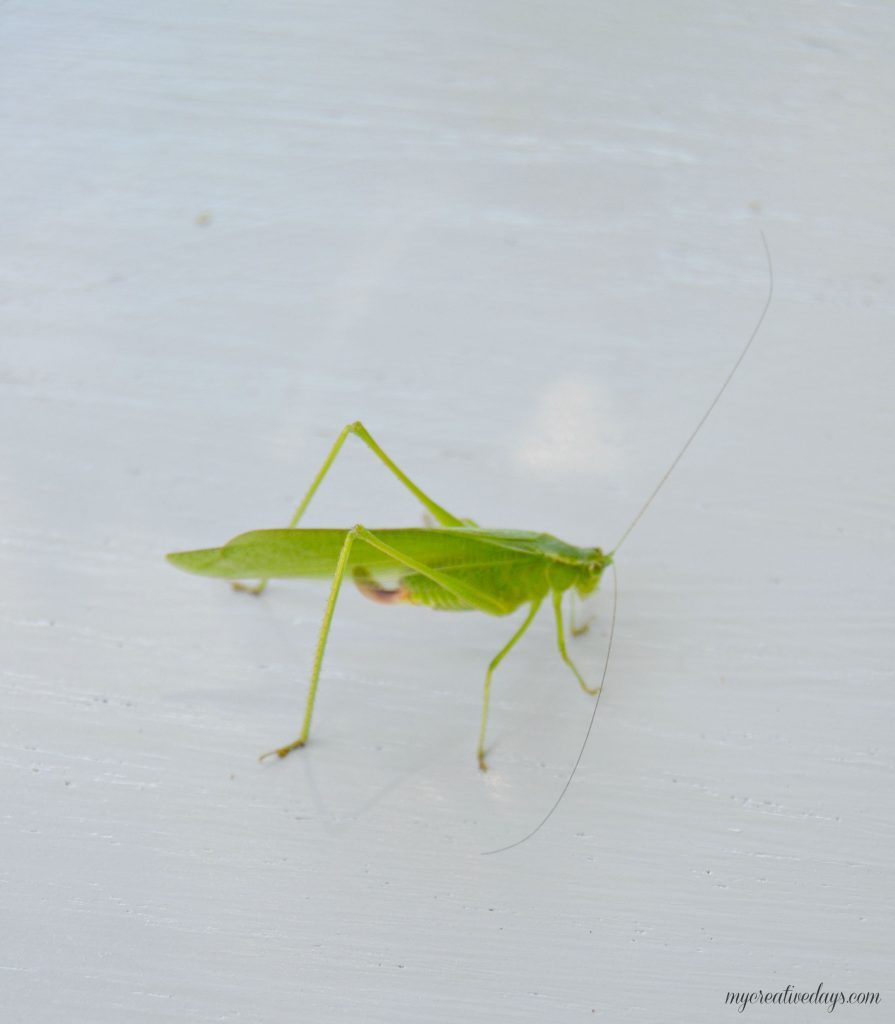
(495, 661)
(561, 644)
(441, 515)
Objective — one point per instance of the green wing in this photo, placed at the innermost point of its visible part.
(312, 554)
(506, 568)
(504, 574)
(267, 554)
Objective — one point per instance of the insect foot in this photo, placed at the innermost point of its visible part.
(282, 751)
(244, 588)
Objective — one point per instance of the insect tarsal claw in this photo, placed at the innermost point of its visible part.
(281, 752)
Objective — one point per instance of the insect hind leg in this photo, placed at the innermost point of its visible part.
(341, 567)
(441, 515)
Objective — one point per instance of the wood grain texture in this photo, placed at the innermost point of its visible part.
(520, 242)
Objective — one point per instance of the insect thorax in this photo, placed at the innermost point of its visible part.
(589, 571)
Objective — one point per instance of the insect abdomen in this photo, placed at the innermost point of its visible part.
(420, 589)
(515, 587)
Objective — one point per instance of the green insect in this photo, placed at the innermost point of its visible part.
(456, 566)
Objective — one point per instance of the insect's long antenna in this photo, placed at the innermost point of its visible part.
(715, 400)
(624, 537)
(590, 725)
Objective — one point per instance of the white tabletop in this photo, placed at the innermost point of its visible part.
(521, 242)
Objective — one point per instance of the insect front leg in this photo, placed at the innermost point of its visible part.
(577, 628)
(338, 576)
(441, 515)
(495, 661)
(561, 644)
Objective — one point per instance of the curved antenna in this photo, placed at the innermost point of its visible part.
(715, 400)
(624, 537)
(562, 792)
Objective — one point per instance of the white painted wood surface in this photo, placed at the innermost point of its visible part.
(520, 241)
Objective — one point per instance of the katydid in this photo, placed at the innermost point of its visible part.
(454, 565)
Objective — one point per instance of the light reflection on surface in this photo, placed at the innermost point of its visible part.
(572, 430)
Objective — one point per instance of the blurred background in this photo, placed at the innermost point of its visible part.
(522, 243)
